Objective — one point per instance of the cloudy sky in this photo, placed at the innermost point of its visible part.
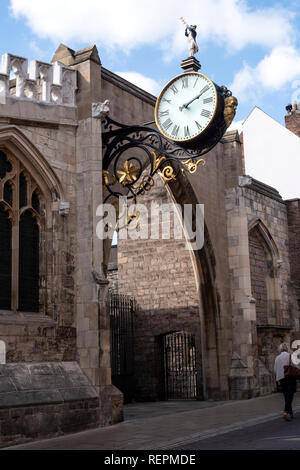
(250, 46)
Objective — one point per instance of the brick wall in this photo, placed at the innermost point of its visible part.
(292, 122)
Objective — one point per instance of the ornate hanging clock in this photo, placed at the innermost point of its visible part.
(192, 114)
(190, 110)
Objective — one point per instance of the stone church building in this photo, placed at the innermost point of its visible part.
(206, 323)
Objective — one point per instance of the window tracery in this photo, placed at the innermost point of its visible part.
(22, 211)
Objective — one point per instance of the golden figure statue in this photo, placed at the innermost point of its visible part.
(231, 104)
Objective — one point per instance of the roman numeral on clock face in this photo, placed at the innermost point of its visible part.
(174, 89)
(175, 131)
(164, 113)
(185, 82)
(204, 90)
(198, 125)
(208, 100)
(167, 124)
(167, 101)
(205, 113)
(187, 131)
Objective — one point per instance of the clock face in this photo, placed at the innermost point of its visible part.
(186, 106)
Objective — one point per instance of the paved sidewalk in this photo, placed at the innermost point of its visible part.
(165, 425)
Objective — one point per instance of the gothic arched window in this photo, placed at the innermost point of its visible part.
(21, 208)
(264, 275)
(28, 263)
(5, 259)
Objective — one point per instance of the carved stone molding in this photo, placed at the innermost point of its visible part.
(100, 110)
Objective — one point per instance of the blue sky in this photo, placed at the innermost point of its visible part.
(250, 46)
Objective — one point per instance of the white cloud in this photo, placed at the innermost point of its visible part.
(146, 83)
(125, 25)
(134, 23)
(277, 69)
(37, 50)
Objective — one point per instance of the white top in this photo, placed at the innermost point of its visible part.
(282, 360)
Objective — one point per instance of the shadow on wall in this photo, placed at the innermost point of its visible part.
(2, 352)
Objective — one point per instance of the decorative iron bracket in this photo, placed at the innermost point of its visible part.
(129, 150)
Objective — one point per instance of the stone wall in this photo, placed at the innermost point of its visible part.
(59, 144)
(259, 210)
(112, 273)
(270, 210)
(43, 139)
(45, 400)
(129, 104)
(293, 212)
(46, 123)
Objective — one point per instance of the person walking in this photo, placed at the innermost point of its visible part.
(288, 384)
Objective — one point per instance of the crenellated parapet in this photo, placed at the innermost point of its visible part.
(49, 83)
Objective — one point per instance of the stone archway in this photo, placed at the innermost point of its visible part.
(175, 289)
(265, 286)
(264, 267)
(34, 162)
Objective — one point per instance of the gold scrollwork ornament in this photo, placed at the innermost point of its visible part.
(167, 174)
(193, 166)
(106, 179)
(157, 160)
(146, 185)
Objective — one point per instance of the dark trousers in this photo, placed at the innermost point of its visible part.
(288, 387)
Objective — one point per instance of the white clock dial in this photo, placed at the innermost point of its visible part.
(186, 106)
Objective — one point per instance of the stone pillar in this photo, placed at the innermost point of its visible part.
(89, 255)
(111, 399)
(242, 380)
(93, 328)
(93, 324)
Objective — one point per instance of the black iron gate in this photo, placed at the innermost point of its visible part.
(122, 308)
(180, 366)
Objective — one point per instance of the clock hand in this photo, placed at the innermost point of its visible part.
(184, 106)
